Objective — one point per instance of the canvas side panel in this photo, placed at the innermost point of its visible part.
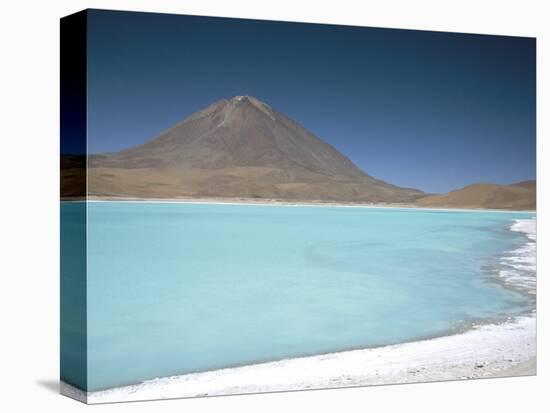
(73, 51)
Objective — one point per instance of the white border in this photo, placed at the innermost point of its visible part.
(29, 171)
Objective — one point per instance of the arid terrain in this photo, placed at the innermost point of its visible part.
(519, 196)
(238, 148)
(243, 149)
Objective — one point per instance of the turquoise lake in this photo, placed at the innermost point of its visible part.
(175, 288)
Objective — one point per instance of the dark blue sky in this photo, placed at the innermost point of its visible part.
(430, 110)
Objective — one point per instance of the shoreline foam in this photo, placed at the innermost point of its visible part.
(485, 350)
(518, 268)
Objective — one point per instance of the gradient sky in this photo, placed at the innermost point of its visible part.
(430, 110)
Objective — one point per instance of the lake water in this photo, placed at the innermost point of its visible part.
(178, 288)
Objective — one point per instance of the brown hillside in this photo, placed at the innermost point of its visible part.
(238, 148)
(521, 196)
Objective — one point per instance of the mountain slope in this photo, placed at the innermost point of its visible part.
(238, 148)
(520, 196)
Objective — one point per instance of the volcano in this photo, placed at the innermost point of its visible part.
(239, 148)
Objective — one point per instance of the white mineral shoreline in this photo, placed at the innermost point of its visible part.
(279, 202)
(489, 350)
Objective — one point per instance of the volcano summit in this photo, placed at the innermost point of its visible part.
(238, 148)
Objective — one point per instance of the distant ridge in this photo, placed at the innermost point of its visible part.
(240, 147)
(518, 196)
(526, 184)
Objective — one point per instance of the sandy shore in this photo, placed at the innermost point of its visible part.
(526, 368)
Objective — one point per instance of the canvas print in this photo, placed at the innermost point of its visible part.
(256, 206)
